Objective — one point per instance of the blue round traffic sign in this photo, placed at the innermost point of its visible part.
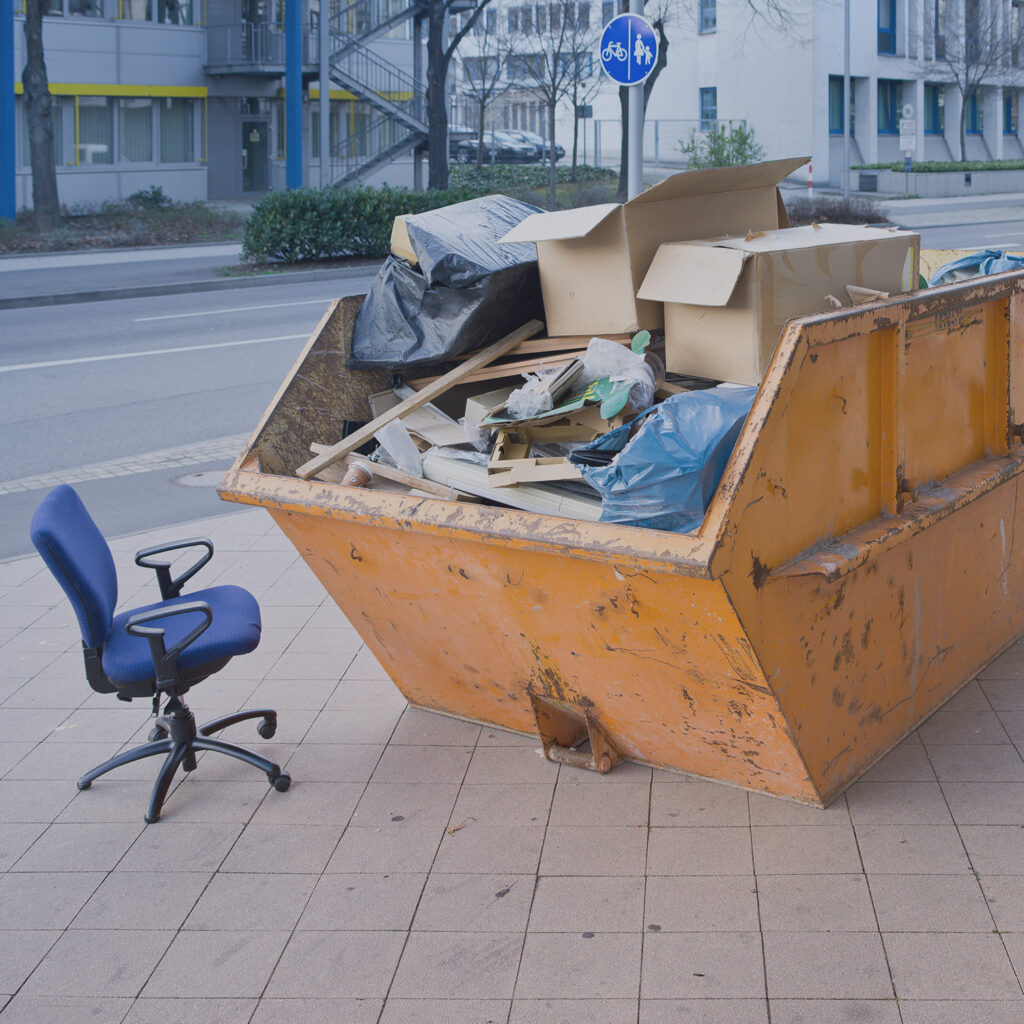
(629, 49)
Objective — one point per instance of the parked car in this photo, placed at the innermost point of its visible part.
(498, 147)
(457, 134)
(542, 147)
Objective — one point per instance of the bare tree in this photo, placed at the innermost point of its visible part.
(586, 81)
(483, 72)
(440, 49)
(977, 40)
(554, 44)
(39, 112)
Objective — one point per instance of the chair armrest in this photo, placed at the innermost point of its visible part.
(172, 587)
(165, 662)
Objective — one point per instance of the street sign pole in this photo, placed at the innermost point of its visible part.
(635, 153)
(8, 200)
(629, 53)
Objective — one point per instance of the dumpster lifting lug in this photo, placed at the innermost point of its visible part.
(564, 727)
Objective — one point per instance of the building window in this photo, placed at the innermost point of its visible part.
(607, 11)
(135, 131)
(888, 106)
(84, 8)
(835, 105)
(940, 29)
(708, 108)
(1016, 27)
(934, 110)
(583, 17)
(164, 12)
(708, 16)
(886, 26)
(1010, 113)
(974, 121)
(95, 133)
(177, 134)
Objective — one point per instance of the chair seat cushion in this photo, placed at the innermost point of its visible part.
(235, 630)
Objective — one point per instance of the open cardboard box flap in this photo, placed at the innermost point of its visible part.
(547, 227)
(696, 274)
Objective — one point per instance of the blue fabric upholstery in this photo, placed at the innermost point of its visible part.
(76, 553)
(235, 630)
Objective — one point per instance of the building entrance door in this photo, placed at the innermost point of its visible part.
(255, 156)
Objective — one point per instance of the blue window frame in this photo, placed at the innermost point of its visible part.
(934, 110)
(889, 91)
(708, 16)
(1010, 113)
(708, 108)
(973, 121)
(886, 26)
(835, 105)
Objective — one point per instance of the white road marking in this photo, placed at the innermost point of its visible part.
(236, 309)
(149, 352)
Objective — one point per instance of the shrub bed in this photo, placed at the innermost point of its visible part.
(944, 166)
(834, 210)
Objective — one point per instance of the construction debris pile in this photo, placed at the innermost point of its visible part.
(662, 315)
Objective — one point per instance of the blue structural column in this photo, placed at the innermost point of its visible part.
(292, 91)
(7, 199)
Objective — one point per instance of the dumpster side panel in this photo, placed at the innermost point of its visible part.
(472, 627)
(861, 660)
(866, 526)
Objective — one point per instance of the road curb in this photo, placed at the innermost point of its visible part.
(180, 287)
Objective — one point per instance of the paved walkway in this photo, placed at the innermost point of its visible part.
(424, 870)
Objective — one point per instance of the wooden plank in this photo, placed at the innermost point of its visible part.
(568, 343)
(333, 474)
(495, 371)
(428, 394)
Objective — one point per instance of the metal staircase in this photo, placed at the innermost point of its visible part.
(392, 92)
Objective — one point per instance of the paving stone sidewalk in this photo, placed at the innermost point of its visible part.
(425, 870)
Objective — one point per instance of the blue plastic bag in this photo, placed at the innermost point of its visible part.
(976, 264)
(664, 476)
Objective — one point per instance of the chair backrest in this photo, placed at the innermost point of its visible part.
(76, 553)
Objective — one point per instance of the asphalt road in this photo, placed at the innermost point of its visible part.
(170, 385)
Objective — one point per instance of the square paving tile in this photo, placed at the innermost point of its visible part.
(500, 765)
(33, 801)
(411, 763)
(995, 849)
(288, 1011)
(583, 803)
(310, 803)
(815, 903)
(699, 851)
(770, 810)
(985, 803)
(179, 846)
(16, 839)
(362, 902)
(898, 803)
(24, 1009)
(87, 847)
(912, 850)
(584, 850)
(835, 1011)
(126, 899)
(950, 966)
(701, 903)
(450, 1011)
(190, 1011)
(335, 762)
(338, 964)
(805, 850)
(409, 849)
(930, 903)
(700, 803)
(703, 1011)
(429, 727)
(593, 904)
(291, 849)
(526, 803)
(835, 965)
(1004, 897)
(604, 966)
(458, 965)
(955, 1011)
(406, 803)
(475, 902)
(702, 965)
(981, 763)
(89, 962)
(959, 725)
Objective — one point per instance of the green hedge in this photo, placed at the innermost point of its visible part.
(935, 166)
(316, 224)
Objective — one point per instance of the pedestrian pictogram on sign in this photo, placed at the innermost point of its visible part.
(629, 49)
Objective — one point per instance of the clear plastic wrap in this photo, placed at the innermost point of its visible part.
(668, 466)
(605, 358)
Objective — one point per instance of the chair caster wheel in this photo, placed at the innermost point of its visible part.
(266, 729)
(83, 785)
(281, 782)
(156, 733)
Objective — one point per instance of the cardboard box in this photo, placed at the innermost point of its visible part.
(592, 260)
(727, 299)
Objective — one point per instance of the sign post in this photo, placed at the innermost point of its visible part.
(629, 51)
(908, 141)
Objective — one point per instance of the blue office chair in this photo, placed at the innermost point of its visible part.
(158, 651)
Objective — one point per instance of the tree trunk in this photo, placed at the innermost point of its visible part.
(39, 112)
(551, 154)
(963, 130)
(480, 133)
(437, 97)
(575, 132)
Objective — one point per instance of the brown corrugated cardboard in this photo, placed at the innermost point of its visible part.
(727, 299)
(592, 260)
(400, 243)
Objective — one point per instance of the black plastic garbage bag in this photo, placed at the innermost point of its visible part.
(465, 291)
(669, 459)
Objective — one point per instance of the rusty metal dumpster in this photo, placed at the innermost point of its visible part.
(857, 565)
